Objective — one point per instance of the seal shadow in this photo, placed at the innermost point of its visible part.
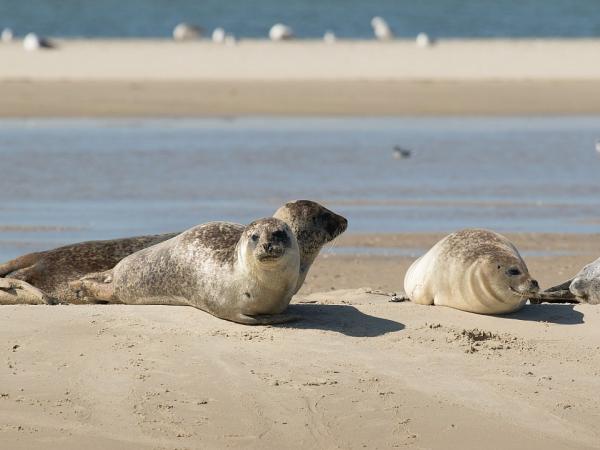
(562, 314)
(340, 318)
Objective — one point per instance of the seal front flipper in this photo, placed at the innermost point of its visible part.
(95, 288)
(264, 319)
(17, 292)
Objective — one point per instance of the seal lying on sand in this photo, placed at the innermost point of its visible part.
(243, 274)
(584, 288)
(50, 271)
(472, 270)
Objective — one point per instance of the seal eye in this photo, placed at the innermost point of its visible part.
(254, 237)
(513, 272)
(279, 234)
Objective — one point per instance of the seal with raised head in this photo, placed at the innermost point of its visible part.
(473, 270)
(49, 272)
(314, 226)
(245, 274)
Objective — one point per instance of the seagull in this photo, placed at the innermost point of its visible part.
(33, 42)
(329, 37)
(381, 29)
(423, 40)
(186, 32)
(401, 153)
(281, 32)
(218, 35)
(7, 35)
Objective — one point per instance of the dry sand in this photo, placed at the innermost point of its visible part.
(164, 78)
(356, 372)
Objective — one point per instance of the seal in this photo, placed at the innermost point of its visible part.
(473, 270)
(51, 271)
(43, 277)
(245, 274)
(314, 226)
(584, 288)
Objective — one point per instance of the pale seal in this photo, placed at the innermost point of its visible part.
(473, 270)
(245, 274)
(50, 271)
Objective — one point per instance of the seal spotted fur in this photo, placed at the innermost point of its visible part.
(242, 274)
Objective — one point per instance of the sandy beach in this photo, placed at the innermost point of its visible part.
(164, 78)
(356, 372)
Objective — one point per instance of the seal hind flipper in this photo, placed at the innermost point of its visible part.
(18, 292)
(20, 263)
(264, 319)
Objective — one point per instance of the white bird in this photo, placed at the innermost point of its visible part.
(7, 35)
(33, 42)
(281, 32)
(186, 32)
(423, 40)
(218, 35)
(381, 29)
(329, 37)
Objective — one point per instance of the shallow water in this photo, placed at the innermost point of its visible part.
(347, 18)
(80, 179)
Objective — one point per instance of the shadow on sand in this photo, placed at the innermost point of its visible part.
(552, 313)
(340, 318)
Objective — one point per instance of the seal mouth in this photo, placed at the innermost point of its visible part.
(269, 257)
(524, 293)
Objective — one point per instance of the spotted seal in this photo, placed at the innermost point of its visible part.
(49, 272)
(245, 274)
(473, 270)
(583, 288)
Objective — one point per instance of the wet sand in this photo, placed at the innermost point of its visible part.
(154, 78)
(356, 372)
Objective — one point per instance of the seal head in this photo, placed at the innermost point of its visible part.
(314, 226)
(586, 284)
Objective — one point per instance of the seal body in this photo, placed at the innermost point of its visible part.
(234, 272)
(586, 284)
(473, 270)
(51, 271)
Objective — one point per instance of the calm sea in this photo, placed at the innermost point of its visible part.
(71, 180)
(309, 18)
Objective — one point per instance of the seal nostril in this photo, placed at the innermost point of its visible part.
(535, 284)
(268, 247)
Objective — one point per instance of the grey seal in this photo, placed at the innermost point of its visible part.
(49, 272)
(245, 274)
(583, 288)
(473, 270)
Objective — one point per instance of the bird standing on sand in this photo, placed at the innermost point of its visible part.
(186, 32)
(423, 40)
(7, 35)
(281, 32)
(218, 35)
(33, 42)
(381, 29)
(329, 37)
(401, 153)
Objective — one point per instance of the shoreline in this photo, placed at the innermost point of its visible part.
(163, 78)
(164, 99)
